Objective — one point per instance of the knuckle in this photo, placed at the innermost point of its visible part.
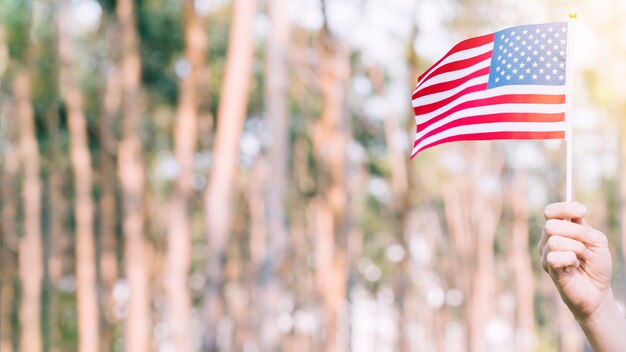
(552, 258)
(551, 226)
(554, 243)
(552, 210)
(547, 212)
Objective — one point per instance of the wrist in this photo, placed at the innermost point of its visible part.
(606, 310)
(605, 326)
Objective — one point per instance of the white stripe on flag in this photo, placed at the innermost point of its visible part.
(452, 75)
(494, 127)
(435, 97)
(490, 93)
(494, 109)
(458, 56)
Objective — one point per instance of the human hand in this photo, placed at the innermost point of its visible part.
(578, 260)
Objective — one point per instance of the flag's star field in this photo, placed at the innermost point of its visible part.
(532, 54)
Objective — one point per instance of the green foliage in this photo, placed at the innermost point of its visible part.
(160, 29)
(67, 321)
(15, 16)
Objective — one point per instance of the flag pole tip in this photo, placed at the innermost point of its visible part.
(573, 15)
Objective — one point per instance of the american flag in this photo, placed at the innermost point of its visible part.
(505, 85)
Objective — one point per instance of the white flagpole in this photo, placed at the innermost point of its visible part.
(569, 107)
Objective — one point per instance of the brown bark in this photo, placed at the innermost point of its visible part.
(277, 111)
(87, 303)
(569, 333)
(30, 247)
(230, 119)
(132, 177)
(107, 247)
(330, 140)
(276, 98)
(301, 242)
(487, 208)
(257, 317)
(400, 193)
(179, 230)
(473, 211)
(522, 266)
(8, 233)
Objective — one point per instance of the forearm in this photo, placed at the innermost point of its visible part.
(606, 328)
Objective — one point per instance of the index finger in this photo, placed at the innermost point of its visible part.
(564, 210)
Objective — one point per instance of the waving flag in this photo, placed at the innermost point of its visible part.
(505, 85)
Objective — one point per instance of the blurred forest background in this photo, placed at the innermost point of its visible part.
(181, 175)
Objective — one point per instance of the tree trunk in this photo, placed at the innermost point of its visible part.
(57, 266)
(277, 112)
(8, 233)
(132, 177)
(230, 120)
(473, 210)
(569, 333)
(486, 208)
(330, 140)
(30, 247)
(107, 246)
(179, 229)
(260, 281)
(525, 339)
(400, 194)
(87, 302)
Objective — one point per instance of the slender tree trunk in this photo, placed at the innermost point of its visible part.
(330, 139)
(179, 229)
(56, 205)
(259, 243)
(230, 119)
(30, 248)
(569, 333)
(107, 247)
(486, 208)
(277, 111)
(473, 213)
(302, 239)
(8, 233)
(276, 97)
(522, 266)
(400, 193)
(58, 239)
(132, 177)
(87, 301)
(57, 209)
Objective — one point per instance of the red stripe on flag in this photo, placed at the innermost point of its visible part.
(501, 99)
(495, 135)
(493, 118)
(444, 86)
(457, 65)
(464, 45)
(425, 109)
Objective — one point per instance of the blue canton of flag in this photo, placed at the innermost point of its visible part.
(529, 55)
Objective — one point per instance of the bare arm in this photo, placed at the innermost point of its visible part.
(578, 260)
